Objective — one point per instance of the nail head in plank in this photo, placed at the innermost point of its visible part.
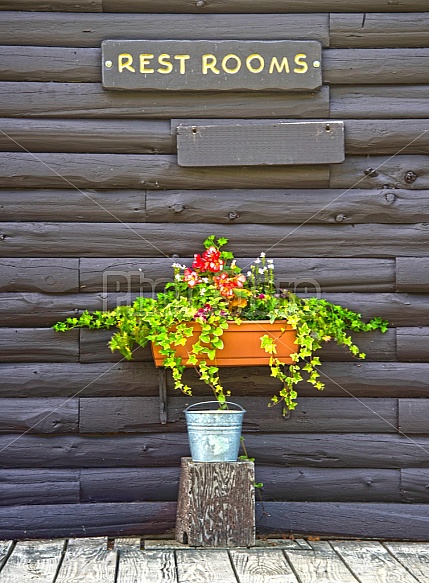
(371, 562)
(33, 562)
(270, 143)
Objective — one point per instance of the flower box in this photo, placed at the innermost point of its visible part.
(242, 344)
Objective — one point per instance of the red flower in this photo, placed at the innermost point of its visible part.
(226, 284)
(191, 277)
(209, 261)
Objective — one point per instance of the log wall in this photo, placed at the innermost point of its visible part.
(94, 208)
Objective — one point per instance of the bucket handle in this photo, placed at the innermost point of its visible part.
(209, 402)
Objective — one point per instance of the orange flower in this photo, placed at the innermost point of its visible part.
(191, 277)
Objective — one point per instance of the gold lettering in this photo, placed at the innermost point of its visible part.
(182, 59)
(209, 62)
(279, 66)
(237, 66)
(299, 60)
(162, 60)
(251, 58)
(145, 59)
(125, 61)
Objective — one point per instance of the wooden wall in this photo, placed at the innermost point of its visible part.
(90, 187)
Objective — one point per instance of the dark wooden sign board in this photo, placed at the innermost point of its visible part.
(264, 143)
(198, 65)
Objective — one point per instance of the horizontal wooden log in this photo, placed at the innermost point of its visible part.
(88, 100)
(292, 484)
(55, 6)
(129, 484)
(342, 379)
(74, 205)
(168, 240)
(145, 171)
(329, 450)
(356, 520)
(86, 380)
(413, 416)
(400, 171)
(378, 347)
(375, 66)
(340, 66)
(283, 206)
(60, 64)
(39, 486)
(412, 344)
(255, 6)
(38, 310)
(38, 345)
(415, 485)
(125, 136)
(379, 30)
(314, 415)
(37, 275)
(135, 379)
(151, 275)
(53, 29)
(39, 415)
(379, 102)
(412, 274)
(86, 520)
(328, 485)
(94, 348)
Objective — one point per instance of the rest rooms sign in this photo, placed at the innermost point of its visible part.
(211, 65)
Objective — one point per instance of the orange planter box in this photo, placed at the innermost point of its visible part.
(242, 344)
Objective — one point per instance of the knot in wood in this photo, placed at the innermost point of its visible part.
(233, 215)
(175, 256)
(200, 3)
(177, 208)
(2, 237)
(410, 177)
(390, 197)
(340, 218)
(370, 172)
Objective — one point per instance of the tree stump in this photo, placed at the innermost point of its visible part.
(216, 506)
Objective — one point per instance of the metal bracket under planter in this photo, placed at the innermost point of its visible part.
(163, 399)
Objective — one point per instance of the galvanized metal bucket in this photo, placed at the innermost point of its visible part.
(214, 434)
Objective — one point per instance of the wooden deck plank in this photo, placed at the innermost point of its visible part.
(413, 556)
(32, 561)
(263, 566)
(88, 561)
(371, 562)
(204, 567)
(320, 564)
(5, 547)
(137, 566)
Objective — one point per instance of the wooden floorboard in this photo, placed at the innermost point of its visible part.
(133, 560)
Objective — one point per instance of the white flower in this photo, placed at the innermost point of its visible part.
(233, 263)
(249, 273)
(262, 254)
(205, 280)
(257, 261)
(178, 266)
(270, 266)
(202, 291)
(178, 277)
(261, 271)
(270, 260)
